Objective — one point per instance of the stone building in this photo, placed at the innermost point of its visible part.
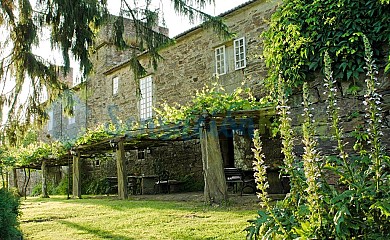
(197, 57)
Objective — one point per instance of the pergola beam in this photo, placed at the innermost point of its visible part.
(121, 171)
(77, 175)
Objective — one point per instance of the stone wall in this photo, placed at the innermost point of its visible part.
(55, 174)
(352, 111)
(187, 66)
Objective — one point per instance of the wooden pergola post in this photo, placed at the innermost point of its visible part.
(44, 179)
(76, 175)
(215, 190)
(121, 171)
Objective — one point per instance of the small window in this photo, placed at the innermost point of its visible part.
(146, 101)
(115, 85)
(72, 119)
(51, 120)
(97, 163)
(76, 79)
(239, 54)
(220, 60)
(141, 154)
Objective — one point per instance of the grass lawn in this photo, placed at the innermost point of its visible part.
(107, 218)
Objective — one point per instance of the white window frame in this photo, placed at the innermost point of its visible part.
(115, 85)
(146, 98)
(44, 95)
(72, 119)
(50, 123)
(220, 60)
(239, 53)
(76, 80)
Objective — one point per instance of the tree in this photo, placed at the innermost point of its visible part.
(72, 26)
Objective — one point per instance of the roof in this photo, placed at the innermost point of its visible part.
(220, 15)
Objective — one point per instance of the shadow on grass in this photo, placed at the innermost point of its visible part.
(97, 232)
(154, 202)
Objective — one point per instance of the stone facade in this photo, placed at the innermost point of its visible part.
(187, 66)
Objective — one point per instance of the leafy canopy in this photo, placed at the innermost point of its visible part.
(211, 100)
(301, 31)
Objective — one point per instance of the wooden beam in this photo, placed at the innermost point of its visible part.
(215, 190)
(121, 171)
(77, 175)
(44, 180)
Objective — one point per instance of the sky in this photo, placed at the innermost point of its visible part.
(175, 23)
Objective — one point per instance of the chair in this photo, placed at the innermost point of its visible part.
(162, 183)
(134, 185)
(236, 177)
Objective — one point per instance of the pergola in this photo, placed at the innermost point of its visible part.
(158, 136)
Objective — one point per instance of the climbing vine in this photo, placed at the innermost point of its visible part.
(302, 31)
(211, 100)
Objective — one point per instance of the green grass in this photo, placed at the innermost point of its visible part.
(107, 218)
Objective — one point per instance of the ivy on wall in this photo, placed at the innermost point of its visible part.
(301, 31)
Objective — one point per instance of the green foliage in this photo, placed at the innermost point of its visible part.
(35, 152)
(301, 31)
(190, 184)
(95, 135)
(52, 189)
(9, 213)
(96, 186)
(315, 209)
(211, 100)
(37, 190)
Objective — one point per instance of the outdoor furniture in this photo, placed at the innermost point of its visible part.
(236, 178)
(162, 184)
(134, 185)
(144, 183)
(112, 185)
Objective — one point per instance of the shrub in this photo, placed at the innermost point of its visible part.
(96, 185)
(9, 212)
(62, 187)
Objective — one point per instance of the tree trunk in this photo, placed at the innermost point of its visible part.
(121, 171)
(215, 190)
(76, 176)
(44, 180)
(6, 180)
(26, 184)
(2, 177)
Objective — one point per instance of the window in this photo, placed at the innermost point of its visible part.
(72, 119)
(51, 120)
(141, 154)
(239, 53)
(76, 80)
(146, 101)
(97, 163)
(115, 85)
(220, 60)
(77, 76)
